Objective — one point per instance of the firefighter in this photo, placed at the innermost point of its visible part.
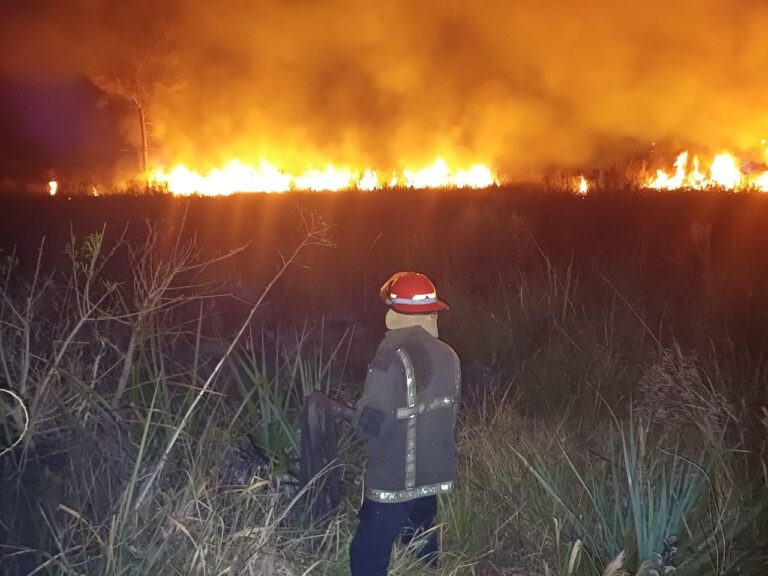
(407, 416)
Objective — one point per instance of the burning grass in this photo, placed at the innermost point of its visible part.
(725, 172)
(266, 177)
(601, 437)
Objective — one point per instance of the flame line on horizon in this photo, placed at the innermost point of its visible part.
(265, 177)
(724, 172)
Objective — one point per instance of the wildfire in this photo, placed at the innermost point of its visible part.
(583, 187)
(439, 175)
(236, 177)
(762, 182)
(724, 172)
(266, 177)
(53, 187)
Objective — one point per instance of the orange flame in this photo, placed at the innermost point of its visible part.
(761, 182)
(583, 187)
(53, 187)
(724, 172)
(266, 177)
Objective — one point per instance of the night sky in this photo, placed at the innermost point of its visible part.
(62, 126)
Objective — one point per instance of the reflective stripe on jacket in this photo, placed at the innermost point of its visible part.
(408, 415)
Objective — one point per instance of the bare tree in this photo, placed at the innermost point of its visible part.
(139, 75)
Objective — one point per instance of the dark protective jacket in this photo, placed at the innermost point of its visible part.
(408, 416)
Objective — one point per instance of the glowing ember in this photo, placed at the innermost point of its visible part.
(53, 187)
(761, 183)
(724, 172)
(478, 176)
(583, 186)
(330, 179)
(369, 181)
(439, 176)
(431, 177)
(238, 177)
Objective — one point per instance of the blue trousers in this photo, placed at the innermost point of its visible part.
(382, 524)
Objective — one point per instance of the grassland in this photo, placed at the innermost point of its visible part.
(615, 408)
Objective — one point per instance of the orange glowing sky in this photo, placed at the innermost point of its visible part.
(519, 86)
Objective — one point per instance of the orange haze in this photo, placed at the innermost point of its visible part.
(519, 86)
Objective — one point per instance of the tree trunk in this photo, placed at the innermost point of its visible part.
(144, 157)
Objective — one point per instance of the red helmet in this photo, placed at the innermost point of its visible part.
(411, 293)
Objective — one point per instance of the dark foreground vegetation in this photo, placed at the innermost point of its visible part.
(615, 403)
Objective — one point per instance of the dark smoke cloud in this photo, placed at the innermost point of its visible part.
(523, 85)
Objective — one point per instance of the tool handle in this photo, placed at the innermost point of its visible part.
(339, 409)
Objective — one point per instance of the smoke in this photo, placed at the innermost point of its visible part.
(523, 85)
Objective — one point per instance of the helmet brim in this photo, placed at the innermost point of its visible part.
(438, 306)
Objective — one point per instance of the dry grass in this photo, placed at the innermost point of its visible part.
(571, 484)
(673, 390)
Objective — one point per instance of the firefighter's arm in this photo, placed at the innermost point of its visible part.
(374, 416)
